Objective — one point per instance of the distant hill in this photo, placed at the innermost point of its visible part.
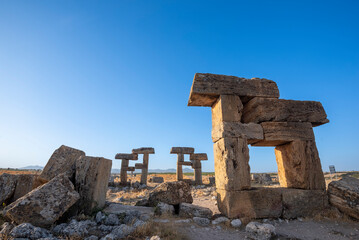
(35, 167)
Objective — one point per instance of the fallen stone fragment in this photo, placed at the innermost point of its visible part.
(164, 209)
(143, 213)
(344, 195)
(111, 220)
(156, 179)
(61, 161)
(92, 174)
(202, 221)
(187, 210)
(122, 231)
(77, 229)
(24, 184)
(261, 230)
(44, 205)
(220, 220)
(28, 231)
(7, 187)
(172, 193)
(236, 223)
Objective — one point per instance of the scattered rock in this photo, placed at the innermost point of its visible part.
(183, 221)
(112, 220)
(164, 209)
(172, 193)
(212, 180)
(143, 213)
(344, 195)
(7, 187)
(122, 231)
(62, 160)
(201, 221)
(6, 229)
(24, 185)
(260, 230)
(155, 238)
(26, 230)
(99, 217)
(93, 237)
(220, 220)
(236, 223)
(190, 210)
(78, 229)
(156, 179)
(261, 178)
(44, 205)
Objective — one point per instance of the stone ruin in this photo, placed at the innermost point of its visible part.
(249, 111)
(195, 162)
(126, 157)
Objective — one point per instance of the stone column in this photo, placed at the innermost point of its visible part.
(125, 157)
(196, 159)
(144, 165)
(180, 151)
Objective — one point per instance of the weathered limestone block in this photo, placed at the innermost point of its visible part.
(24, 184)
(187, 210)
(231, 157)
(260, 110)
(299, 165)
(252, 131)
(303, 203)
(183, 150)
(198, 156)
(144, 167)
(127, 156)
(7, 187)
(278, 133)
(144, 150)
(207, 87)
(172, 193)
(227, 108)
(344, 195)
(44, 205)
(254, 203)
(62, 160)
(92, 174)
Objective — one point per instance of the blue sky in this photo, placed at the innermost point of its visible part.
(109, 76)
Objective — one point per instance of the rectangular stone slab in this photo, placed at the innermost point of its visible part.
(260, 110)
(198, 156)
(231, 157)
(139, 166)
(185, 163)
(228, 108)
(144, 150)
(126, 156)
(130, 169)
(183, 150)
(207, 87)
(278, 133)
(252, 131)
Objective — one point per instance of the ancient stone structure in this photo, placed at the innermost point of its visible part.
(248, 111)
(144, 165)
(195, 162)
(125, 157)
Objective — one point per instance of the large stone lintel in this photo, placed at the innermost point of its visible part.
(198, 156)
(252, 131)
(144, 150)
(260, 110)
(126, 156)
(271, 203)
(278, 133)
(207, 87)
(182, 150)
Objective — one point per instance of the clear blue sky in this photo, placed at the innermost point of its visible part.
(109, 76)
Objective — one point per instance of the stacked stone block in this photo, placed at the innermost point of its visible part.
(125, 157)
(144, 165)
(249, 111)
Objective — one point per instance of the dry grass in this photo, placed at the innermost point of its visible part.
(17, 171)
(165, 231)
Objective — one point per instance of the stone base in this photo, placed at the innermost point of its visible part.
(271, 203)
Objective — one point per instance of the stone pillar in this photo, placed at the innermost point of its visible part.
(196, 159)
(299, 165)
(180, 151)
(125, 157)
(144, 165)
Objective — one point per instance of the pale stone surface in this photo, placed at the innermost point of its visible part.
(231, 157)
(44, 205)
(220, 220)
(228, 108)
(92, 174)
(119, 209)
(261, 231)
(171, 193)
(299, 166)
(207, 87)
(279, 133)
(7, 187)
(183, 150)
(303, 203)
(164, 209)
(252, 131)
(62, 160)
(260, 110)
(187, 210)
(236, 223)
(144, 150)
(254, 203)
(344, 195)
